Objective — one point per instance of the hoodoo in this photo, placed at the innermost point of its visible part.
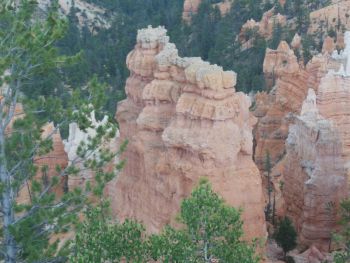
(184, 121)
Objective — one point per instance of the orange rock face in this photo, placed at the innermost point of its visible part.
(184, 121)
(314, 175)
(328, 45)
(56, 158)
(289, 81)
(330, 17)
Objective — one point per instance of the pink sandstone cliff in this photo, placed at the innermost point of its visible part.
(318, 151)
(314, 175)
(184, 121)
(330, 17)
(289, 82)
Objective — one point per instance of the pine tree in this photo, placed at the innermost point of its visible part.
(213, 231)
(27, 50)
(286, 235)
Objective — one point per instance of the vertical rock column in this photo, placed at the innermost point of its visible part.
(189, 123)
(314, 176)
(211, 136)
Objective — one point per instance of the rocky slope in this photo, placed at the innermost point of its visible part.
(74, 140)
(184, 121)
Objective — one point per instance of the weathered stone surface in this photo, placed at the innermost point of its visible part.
(330, 17)
(333, 102)
(189, 123)
(328, 45)
(296, 42)
(312, 255)
(289, 83)
(314, 161)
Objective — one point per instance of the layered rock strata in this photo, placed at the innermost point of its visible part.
(289, 87)
(184, 121)
(330, 17)
(314, 161)
(289, 82)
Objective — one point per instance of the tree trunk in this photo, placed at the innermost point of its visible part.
(6, 204)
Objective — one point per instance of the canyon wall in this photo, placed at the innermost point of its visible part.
(314, 175)
(330, 17)
(288, 82)
(184, 121)
(317, 149)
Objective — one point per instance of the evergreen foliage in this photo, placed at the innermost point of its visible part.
(27, 53)
(343, 238)
(212, 231)
(286, 235)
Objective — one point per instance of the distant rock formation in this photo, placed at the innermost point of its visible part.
(317, 151)
(191, 8)
(264, 27)
(330, 17)
(184, 121)
(289, 88)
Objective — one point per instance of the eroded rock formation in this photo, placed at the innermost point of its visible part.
(289, 82)
(184, 121)
(289, 87)
(314, 175)
(191, 8)
(330, 17)
(264, 27)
